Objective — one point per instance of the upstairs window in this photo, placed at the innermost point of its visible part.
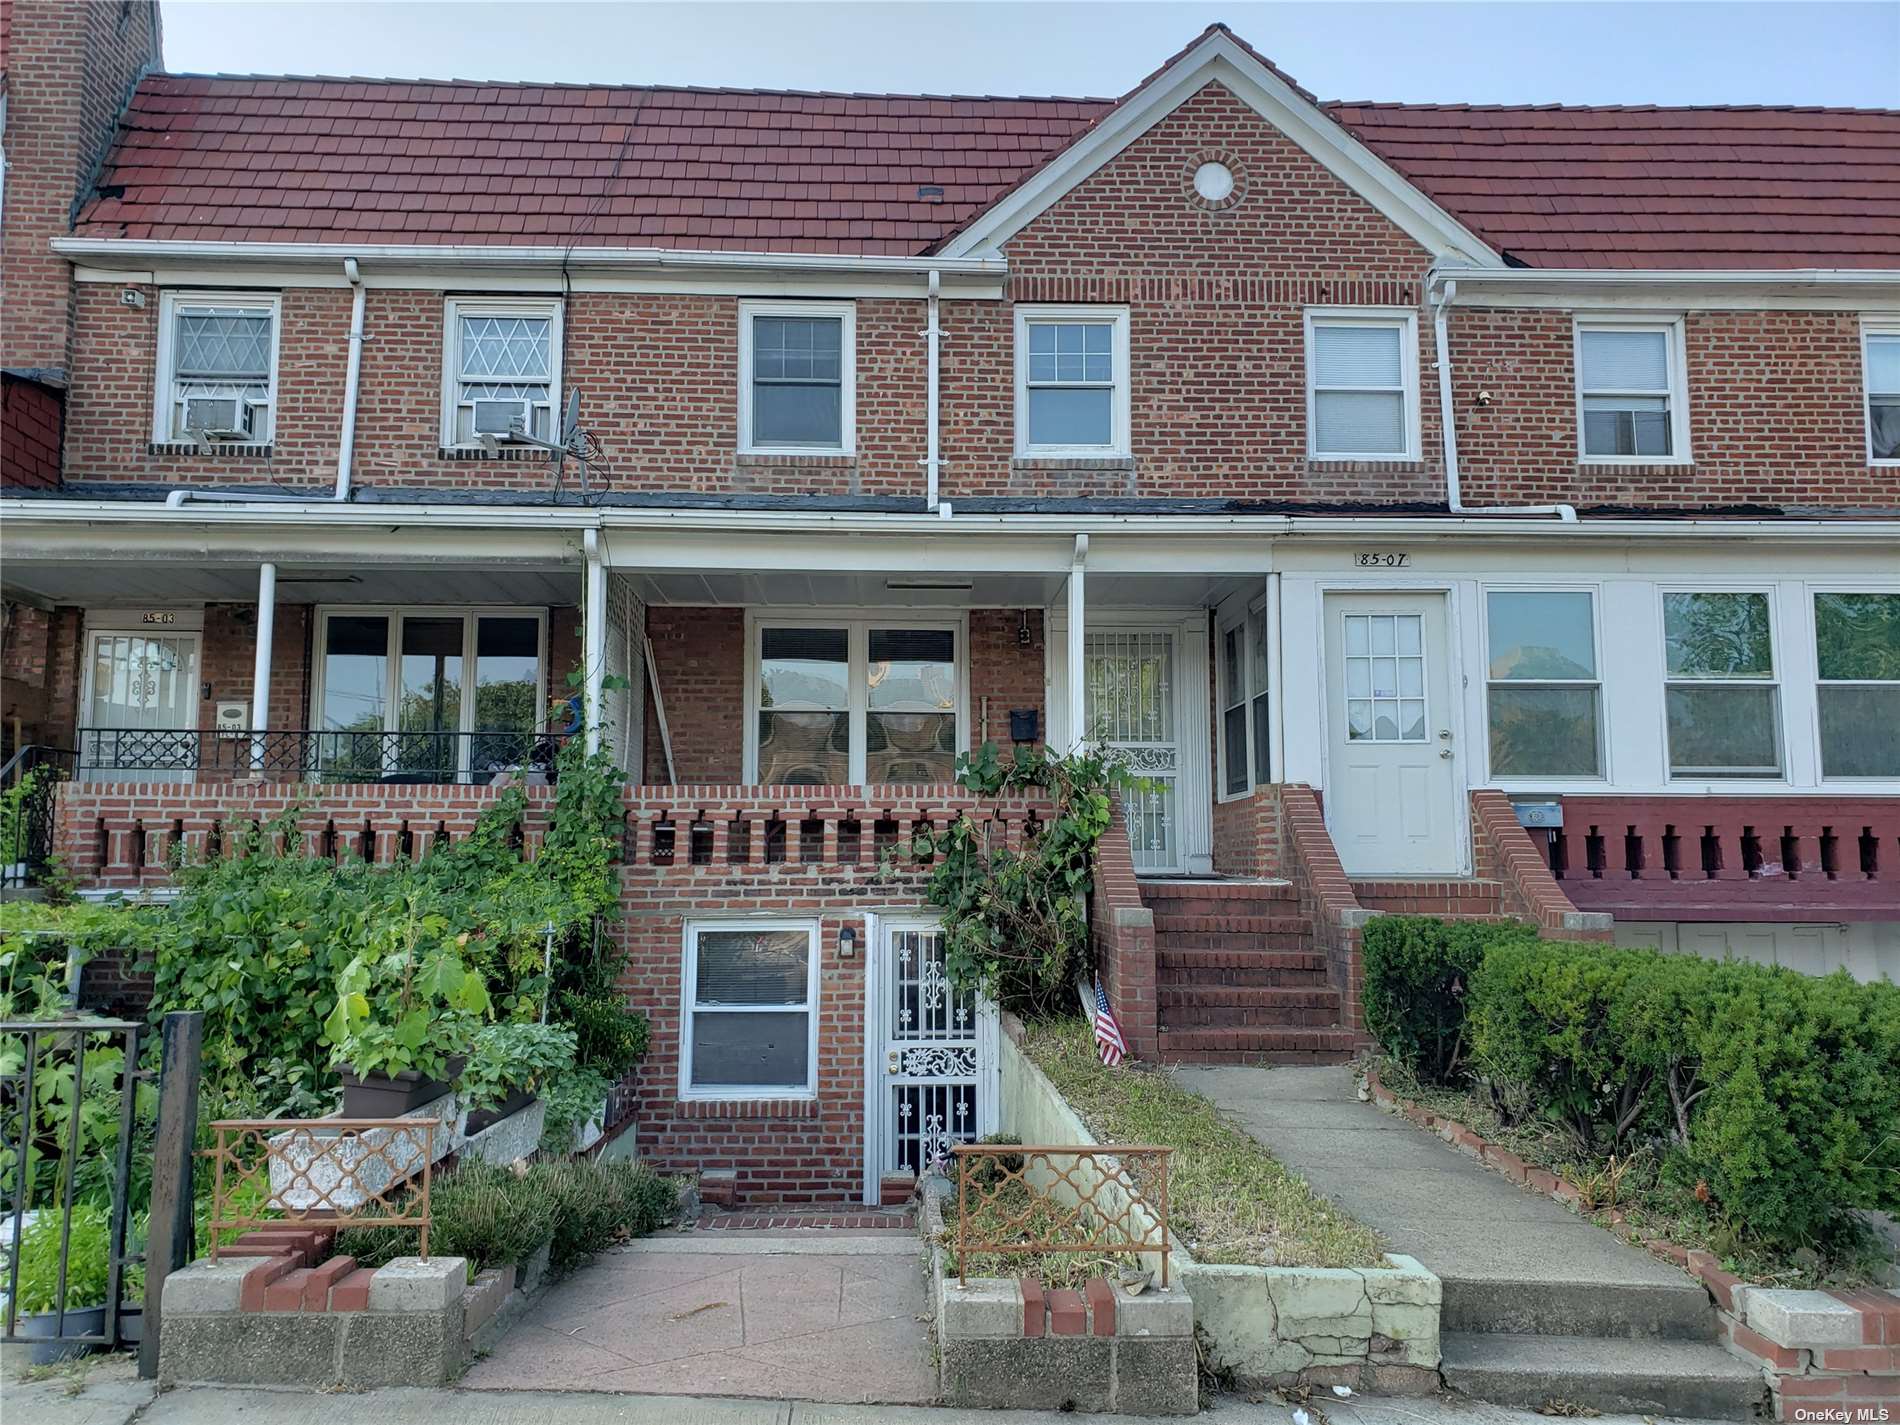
(1857, 643)
(1545, 691)
(797, 381)
(1881, 357)
(1072, 381)
(217, 368)
(1362, 385)
(502, 361)
(1630, 392)
(1720, 698)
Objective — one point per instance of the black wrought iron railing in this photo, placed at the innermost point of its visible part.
(304, 755)
(26, 812)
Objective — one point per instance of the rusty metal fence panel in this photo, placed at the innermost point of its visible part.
(1026, 1200)
(323, 1172)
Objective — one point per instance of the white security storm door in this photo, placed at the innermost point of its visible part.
(1131, 706)
(141, 707)
(934, 1060)
(1392, 783)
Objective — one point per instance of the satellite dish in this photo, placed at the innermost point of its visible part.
(573, 421)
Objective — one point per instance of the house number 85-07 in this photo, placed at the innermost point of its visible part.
(1380, 559)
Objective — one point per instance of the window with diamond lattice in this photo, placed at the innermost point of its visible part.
(217, 363)
(503, 370)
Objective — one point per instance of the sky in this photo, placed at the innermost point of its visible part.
(1515, 51)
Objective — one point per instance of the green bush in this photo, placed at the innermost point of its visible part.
(1775, 1094)
(597, 1204)
(88, 1262)
(506, 1057)
(1417, 975)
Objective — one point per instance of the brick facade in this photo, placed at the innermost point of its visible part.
(1247, 834)
(31, 421)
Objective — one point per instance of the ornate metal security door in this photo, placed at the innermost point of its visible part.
(937, 1073)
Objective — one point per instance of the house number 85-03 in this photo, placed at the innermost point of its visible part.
(1381, 559)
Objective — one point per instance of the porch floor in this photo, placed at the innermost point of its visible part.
(827, 1315)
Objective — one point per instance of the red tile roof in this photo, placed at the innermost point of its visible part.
(399, 161)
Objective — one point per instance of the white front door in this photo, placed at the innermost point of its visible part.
(1131, 705)
(933, 1064)
(1392, 783)
(141, 706)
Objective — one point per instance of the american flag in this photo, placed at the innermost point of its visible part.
(1108, 1033)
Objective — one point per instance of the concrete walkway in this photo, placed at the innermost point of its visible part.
(1429, 1200)
(823, 1315)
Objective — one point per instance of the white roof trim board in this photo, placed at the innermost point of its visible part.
(1217, 58)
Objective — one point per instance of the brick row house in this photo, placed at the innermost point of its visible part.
(1479, 510)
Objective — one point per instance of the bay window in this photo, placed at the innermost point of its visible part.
(433, 695)
(1857, 643)
(841, 702)
(1245, 741)
(751, 995)
(1721, 701)
(1544, 693)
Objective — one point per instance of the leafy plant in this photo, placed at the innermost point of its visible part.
(506, 1057)
(1417, 977)
(610, 1037)
(408, 1004)
(1015, 922)
(88, 1263)
(572, 1099)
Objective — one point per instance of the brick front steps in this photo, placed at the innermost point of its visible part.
(1238, 979)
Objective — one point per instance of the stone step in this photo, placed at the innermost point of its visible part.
(1266, 968)
(1430, 897)
(1627, 1310)
(1239, 1006)
(1257, 1045)
(1253, 927)
(1218, 890)
(1682, 1378)
(1230, 940)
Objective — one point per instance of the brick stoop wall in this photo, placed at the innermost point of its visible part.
(1326, 898)
(1247, 834)
(1503, 853)
(1122, 928)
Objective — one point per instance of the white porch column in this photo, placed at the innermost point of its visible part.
(1078, 675)
(260, 669)
(593, 641)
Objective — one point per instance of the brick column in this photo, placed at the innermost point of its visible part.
(1123, 931)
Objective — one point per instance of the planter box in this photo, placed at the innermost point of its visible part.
(393, 1095)
(488, 1117)
(308, 1175)
(507, 1139)
(83, 1321)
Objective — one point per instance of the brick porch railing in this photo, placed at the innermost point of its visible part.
(1123, 931)
(1311, 862)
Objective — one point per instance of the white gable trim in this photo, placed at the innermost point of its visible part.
(1216, 58)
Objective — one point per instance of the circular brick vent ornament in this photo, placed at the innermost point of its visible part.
(1213, 183)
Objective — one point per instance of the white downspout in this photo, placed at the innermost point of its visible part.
(1078, 674)
(260, 668)
(346, 445)
(933, 334)
(1448, 426)
(593, 640)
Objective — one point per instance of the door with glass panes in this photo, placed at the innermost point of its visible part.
(428, 695)
(141, 706)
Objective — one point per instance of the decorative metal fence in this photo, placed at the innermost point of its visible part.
(326, 1172)
(68, 1090)
(27, 785)
(306, 755)
(1020, 1200)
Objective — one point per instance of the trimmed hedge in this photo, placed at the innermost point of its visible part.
(1780, 1092)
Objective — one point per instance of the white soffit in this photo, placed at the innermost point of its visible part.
(1218, 58)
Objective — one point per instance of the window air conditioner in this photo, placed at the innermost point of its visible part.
(501, 418)
(217, 417)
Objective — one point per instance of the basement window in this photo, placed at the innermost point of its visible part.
(751, 998)
(217, 364)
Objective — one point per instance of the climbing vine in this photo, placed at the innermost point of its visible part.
(1015, 920)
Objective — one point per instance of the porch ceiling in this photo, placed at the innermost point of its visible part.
(178, 582)
(921, 589)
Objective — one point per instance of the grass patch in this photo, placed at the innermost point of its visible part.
(1635, 1186)
(1229, 1200)
(1012, 1213)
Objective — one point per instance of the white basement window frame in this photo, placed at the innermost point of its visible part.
(184, 375)
(1100, 326)
(1241, 667)
(1400, 384)
(1880, 376)
(1603, 388)
(843, 313)
(1716, 665)
(461, 386)
(692, 1007)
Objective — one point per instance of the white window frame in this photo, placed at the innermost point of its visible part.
(453, 310)
(857, 624)
(470, 614)
(1605, 742)
(1252, 624)
(847, 312)
(689, 995)
(164, 393)
(1813, 593)
(1099, 314)
(1777, 648)
(1869, 333)
(1673, 331)
(1405, 321)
